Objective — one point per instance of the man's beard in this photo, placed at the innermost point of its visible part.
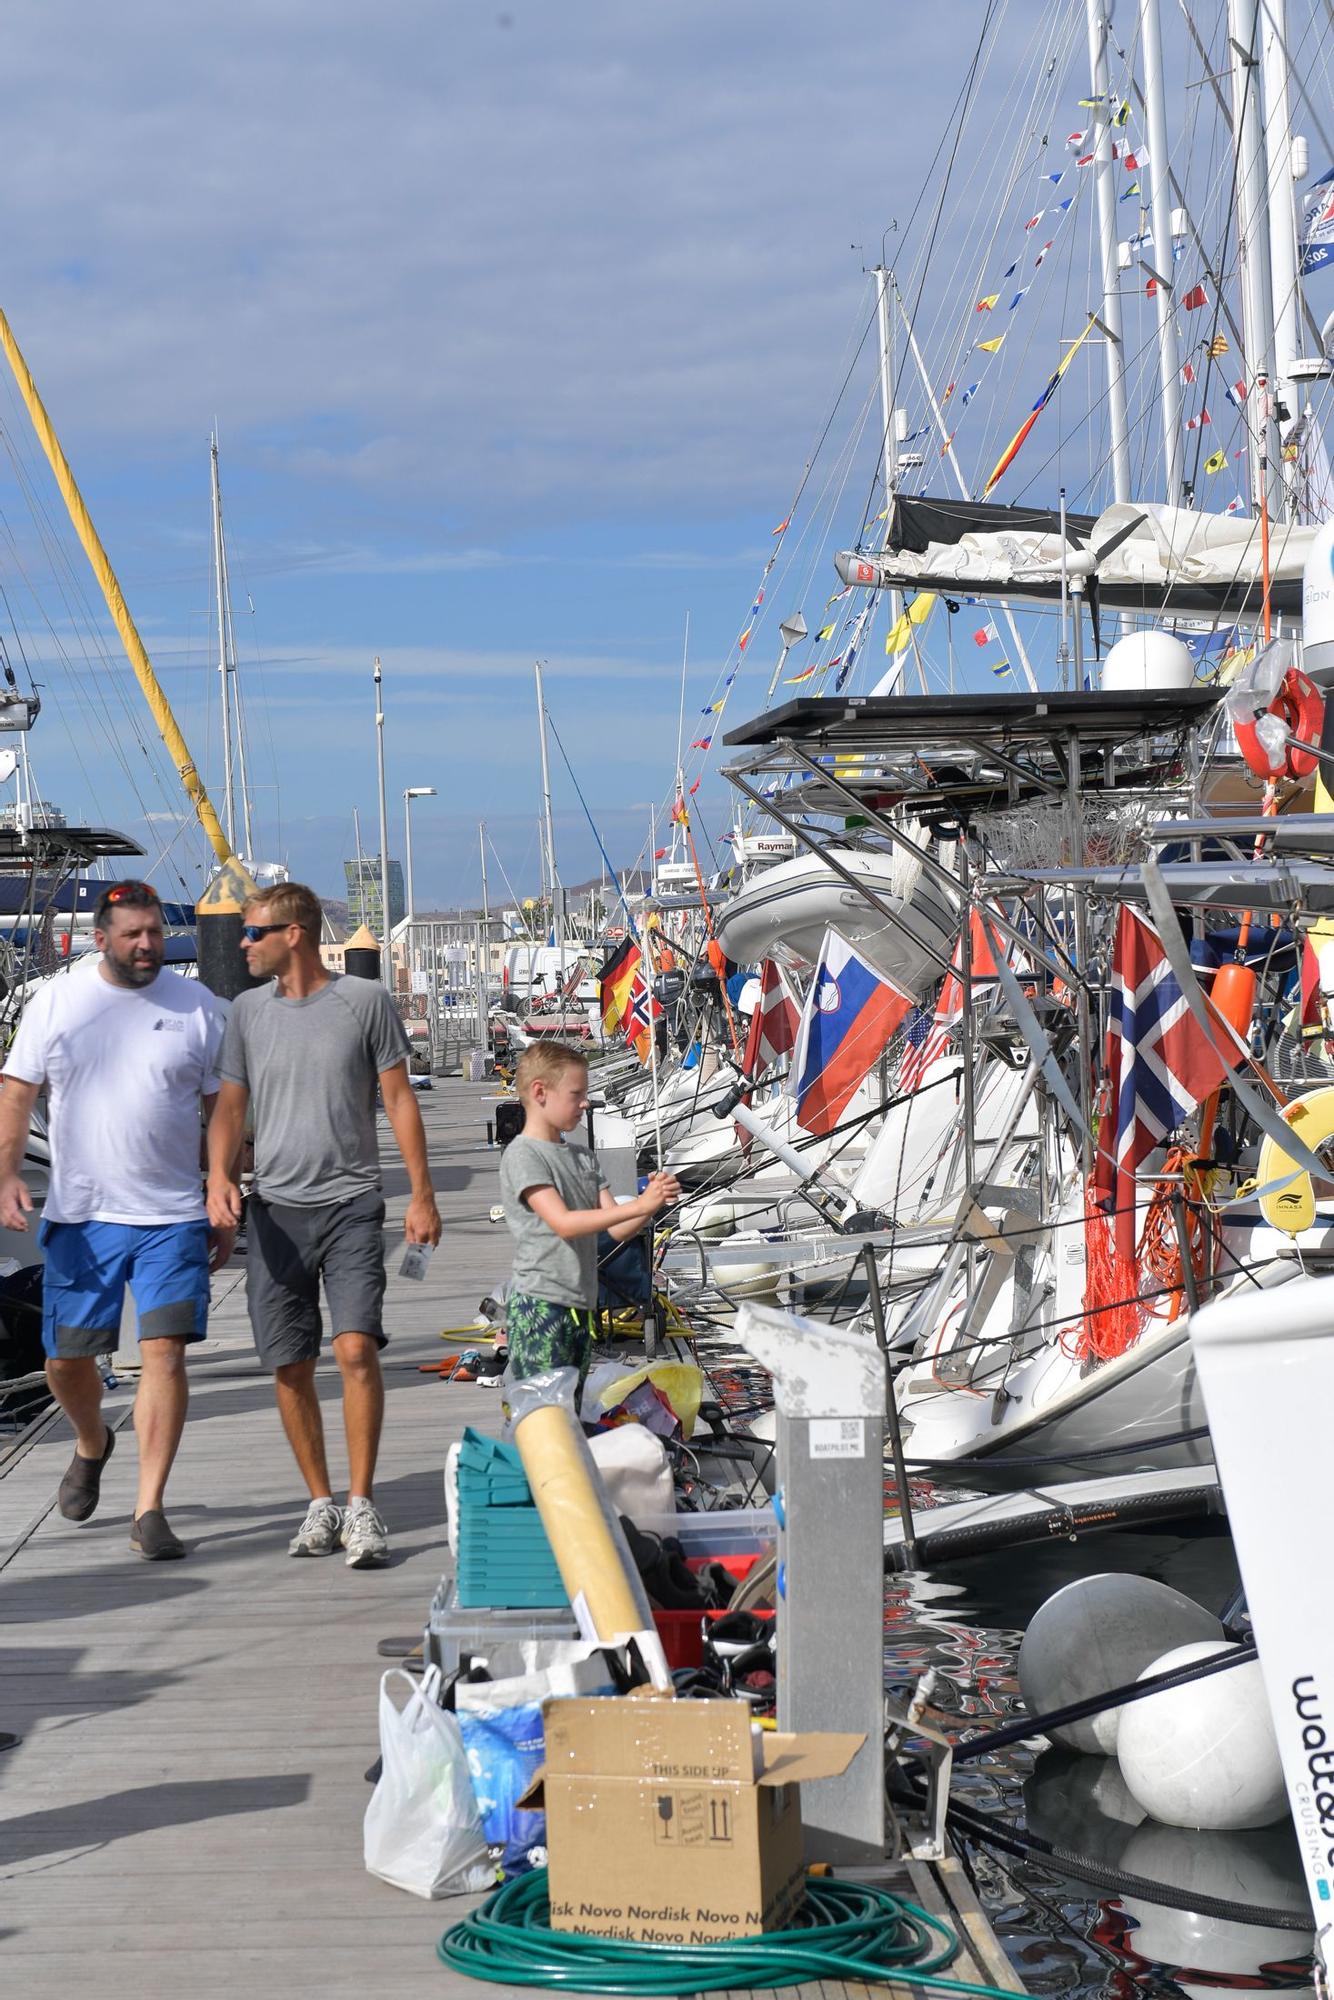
(130, 972)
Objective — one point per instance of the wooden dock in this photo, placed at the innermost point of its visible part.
(183, 1814)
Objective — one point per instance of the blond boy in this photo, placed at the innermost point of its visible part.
(556, 1204)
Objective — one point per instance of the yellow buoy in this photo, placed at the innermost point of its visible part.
(1291, 1207)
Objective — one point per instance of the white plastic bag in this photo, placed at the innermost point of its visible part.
(423, 1832)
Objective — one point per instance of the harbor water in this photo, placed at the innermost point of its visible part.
(1065, 1936)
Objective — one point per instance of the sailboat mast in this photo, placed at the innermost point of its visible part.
(557, 914)
(1164, 261)
(242, 778)
(1283, 263)
(224, 684)
(1099, 27)
(890, 448)
(952, 458)
(1257, 298)
(361, 869)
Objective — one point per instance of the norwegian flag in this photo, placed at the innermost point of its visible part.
(949, 1006)
(1160, 1068)
(640, 1014)
(773, 1025)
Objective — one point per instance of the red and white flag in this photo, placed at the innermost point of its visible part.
(773, 1025)
(1313, 1013)
(949, 1005)
(985, 635)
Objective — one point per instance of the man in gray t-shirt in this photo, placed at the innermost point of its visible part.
(308, 1052)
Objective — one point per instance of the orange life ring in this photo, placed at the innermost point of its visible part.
(1298, 703)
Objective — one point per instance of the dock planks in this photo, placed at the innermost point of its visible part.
(184, 1811)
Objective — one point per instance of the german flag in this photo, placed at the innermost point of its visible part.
(614, 982)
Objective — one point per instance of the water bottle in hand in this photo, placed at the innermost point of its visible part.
(415, 1260)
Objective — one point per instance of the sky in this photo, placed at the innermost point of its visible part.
(518, 326)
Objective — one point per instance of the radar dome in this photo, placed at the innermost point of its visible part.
(1147, 660)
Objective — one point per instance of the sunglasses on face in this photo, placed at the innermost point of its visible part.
(252, 933)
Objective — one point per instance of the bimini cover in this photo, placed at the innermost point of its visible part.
(1141, 558)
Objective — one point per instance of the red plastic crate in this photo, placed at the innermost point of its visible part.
(682, 1632)
(682, 1635)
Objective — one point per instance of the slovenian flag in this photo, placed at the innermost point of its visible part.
(850, 1016)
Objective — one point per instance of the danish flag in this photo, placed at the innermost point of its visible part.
(1160, 1068)
(773, 1025)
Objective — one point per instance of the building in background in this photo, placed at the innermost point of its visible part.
(363, 894)
(40, 815)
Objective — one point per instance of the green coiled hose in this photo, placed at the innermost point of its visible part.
(843, 1930)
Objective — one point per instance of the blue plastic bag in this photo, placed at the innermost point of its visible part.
(504, 1756)
(501, 1722)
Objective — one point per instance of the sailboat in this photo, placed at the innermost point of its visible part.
(1047, 812)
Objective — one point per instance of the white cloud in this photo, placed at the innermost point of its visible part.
(600, 253)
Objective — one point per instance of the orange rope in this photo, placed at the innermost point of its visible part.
(1113, 1317)
(1160, 1249)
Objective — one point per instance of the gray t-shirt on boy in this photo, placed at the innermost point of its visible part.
(545, 1265)
(311, 1067)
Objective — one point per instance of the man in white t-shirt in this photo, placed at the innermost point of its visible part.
(127, 1052)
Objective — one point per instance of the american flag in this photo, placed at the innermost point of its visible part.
(923, 1052)
(1160, 1068)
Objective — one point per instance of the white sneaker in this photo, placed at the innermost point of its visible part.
(364, 1536)
(320, 1532)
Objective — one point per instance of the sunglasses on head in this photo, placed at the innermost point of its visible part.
(124, 892)
(252, 933)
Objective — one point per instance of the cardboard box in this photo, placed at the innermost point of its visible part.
(674, 1822)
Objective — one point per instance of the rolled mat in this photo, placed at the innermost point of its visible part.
(591, 1553)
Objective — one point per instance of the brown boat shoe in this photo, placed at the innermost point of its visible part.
(81, 1488)
(151, 1538)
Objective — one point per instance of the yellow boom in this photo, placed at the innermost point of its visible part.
(154, 694)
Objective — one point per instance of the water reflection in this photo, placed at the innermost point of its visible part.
(1063, 1937)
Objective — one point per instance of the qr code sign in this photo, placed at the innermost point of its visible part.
(838, 1437)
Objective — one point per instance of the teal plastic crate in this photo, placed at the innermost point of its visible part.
(504, 1558)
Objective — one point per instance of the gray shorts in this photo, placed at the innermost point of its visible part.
(290, 1250)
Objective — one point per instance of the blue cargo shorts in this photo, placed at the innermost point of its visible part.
(90, 1266)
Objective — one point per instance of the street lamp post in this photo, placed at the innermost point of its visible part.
(386, 956)
(412, 792)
